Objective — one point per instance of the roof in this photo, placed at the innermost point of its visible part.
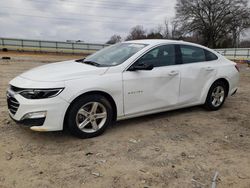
(154, 41)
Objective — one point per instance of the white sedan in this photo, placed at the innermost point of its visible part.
(125, 80)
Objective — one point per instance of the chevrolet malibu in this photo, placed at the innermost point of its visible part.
(122, 81)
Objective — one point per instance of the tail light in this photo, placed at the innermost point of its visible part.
(237, 67)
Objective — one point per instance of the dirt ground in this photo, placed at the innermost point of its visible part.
(182, 148)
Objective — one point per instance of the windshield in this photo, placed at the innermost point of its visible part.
(114, 55)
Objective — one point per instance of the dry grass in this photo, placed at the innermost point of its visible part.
(164, 150)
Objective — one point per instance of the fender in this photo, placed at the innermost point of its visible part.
(208, 85)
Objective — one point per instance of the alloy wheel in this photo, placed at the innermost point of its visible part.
(218, 96)
(91, 117)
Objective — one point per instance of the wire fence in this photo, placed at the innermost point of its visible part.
(235, 53)
(88, 48)
(48, 46)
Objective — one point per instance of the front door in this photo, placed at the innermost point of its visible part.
(146, 90)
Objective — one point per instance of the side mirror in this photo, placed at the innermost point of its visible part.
(141, 67)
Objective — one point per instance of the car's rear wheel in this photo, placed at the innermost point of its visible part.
(216, 96)
(89, 116)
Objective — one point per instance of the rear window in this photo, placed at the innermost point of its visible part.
(192, 54)
(210, 56)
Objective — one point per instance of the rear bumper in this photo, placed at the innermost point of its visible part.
(233, 82)
(234, 92)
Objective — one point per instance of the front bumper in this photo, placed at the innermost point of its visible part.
(27, 112)
(30, 122)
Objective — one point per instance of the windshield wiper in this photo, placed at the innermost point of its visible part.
(91, 63)
(79, 60)
(88, 62)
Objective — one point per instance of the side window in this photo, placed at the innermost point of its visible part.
(160, 56)
(210, 56)
(192, 54)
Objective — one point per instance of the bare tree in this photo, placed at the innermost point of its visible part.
(137, 32)
(170, 29)
(245, 44)
(154, 35)
(176, 32)
(166, 30)
(239, 22)
(214, 20)
(114, 39)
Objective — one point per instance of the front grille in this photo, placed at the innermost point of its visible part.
(13, 104)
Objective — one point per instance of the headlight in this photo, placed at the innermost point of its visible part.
(40, 93)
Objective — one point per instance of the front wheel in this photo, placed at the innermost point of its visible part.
(89, 116)
(216, 96)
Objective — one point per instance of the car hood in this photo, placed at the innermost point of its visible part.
(62, 71)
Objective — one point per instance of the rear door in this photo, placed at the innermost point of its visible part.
(198, 68)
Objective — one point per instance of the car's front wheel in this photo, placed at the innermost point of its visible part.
(89, 116)
(216, 96)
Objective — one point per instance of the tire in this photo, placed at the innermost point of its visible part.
(89, 116)
(216, 96)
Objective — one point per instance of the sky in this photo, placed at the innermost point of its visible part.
(86, 20)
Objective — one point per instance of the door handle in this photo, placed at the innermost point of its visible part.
(173, 73)
(209, 69)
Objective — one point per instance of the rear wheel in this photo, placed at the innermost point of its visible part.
(89, 116)
(216, 96)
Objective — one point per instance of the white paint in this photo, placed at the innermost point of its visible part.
(135, 93)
